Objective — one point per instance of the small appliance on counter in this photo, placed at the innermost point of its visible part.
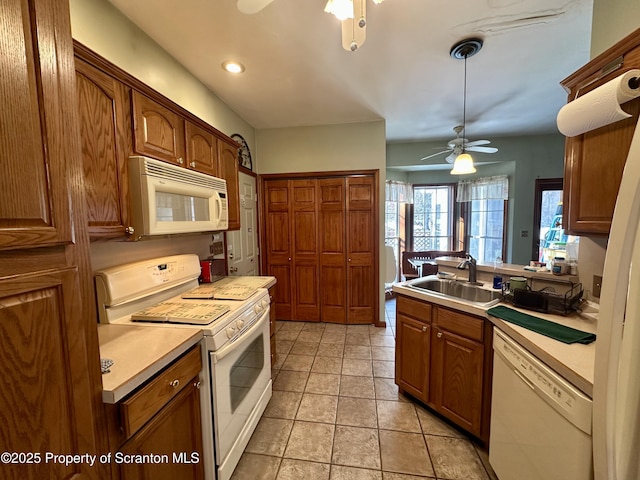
(212, 270)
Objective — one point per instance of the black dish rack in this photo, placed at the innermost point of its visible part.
(544, 300)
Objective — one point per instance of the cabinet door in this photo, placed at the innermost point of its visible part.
(456, 379)
(202, 150)
(46, 403)
(594, 161)
(176, 432)
(333, 254)
(412, 356)
(102, 106)
(361, 237)
(33, 118)
(158, 132)
(278, 243)
(228, 169)
(304, 233)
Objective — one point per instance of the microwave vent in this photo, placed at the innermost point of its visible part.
(160, 169)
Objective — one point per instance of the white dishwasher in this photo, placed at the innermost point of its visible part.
(540, 423)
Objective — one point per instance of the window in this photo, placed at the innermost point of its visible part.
(433, 217)
(397, 194)
(485, 232)
(484, 207)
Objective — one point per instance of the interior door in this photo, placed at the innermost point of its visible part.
(242, 245)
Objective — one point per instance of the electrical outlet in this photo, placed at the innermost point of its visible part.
(524, 233)
(597, 285)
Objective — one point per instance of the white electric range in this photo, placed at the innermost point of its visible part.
(236, 375)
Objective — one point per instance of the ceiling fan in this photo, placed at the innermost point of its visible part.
(455, 146)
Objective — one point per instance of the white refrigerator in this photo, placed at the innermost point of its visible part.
(616, 389)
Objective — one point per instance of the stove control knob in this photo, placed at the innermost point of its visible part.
(257, 308)
(240, 324)
(264, 303)
(231, 332)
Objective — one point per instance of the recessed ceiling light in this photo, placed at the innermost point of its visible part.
(233, 67)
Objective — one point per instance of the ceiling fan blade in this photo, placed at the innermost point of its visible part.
(482, 149)
(252, 6)
(477, 142)
(435, 154)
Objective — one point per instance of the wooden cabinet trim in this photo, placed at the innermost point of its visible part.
(149, 400)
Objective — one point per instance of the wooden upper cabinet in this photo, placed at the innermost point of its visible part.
(202, 150)
(595, 160)
(158, 132)
(228, 169)
(104, 126)
(33, 171)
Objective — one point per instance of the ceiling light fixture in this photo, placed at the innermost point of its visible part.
(232, 67)
(464, 49)
(342, 9)
(353, 14)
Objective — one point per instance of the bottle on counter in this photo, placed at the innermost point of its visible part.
(497, 274)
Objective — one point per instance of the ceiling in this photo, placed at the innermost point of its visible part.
(297, 73)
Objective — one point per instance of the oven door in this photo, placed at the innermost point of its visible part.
(240, 375)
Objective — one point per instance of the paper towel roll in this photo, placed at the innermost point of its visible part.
(599, 107)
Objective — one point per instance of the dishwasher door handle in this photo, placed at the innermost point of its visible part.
(525, 379)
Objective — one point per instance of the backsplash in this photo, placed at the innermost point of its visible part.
(108, 254)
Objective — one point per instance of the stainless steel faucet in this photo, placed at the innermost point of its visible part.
(471, 263)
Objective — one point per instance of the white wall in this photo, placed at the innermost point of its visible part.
(352, 146)
(612, 21)
(523, 159)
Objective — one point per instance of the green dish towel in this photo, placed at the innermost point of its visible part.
(544, 327)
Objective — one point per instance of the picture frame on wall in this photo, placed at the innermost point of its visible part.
(244, 154)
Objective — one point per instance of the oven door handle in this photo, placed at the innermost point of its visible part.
(230, 347)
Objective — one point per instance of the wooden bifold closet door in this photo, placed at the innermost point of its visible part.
(321, 244)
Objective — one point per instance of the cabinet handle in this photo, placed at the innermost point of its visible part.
(180, 161)
(193, 164)
(349, 259)
(129, 230)
(439, 334)
(175, 383)
(197, 385)
(424, 328)
(289, 258)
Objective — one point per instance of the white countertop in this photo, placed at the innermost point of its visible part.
(574, 362)
(138, 354)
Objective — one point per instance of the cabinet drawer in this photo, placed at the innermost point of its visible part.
(414, 308)
(461, 324)
(144, 404)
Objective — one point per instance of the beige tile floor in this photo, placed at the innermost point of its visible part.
(336, 414)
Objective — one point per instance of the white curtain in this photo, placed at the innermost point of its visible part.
(398, 192)
(488, 188)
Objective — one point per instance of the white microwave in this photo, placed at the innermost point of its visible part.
(167, 199)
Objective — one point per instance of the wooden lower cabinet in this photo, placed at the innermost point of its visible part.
(272, 323)
(172, 439)
(412, 360)
(443, 358)
(456, 379)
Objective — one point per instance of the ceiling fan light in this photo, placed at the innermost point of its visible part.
(342, 9)
(463, 165)
(378, 2)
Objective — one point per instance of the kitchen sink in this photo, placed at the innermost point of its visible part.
(459, 290)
